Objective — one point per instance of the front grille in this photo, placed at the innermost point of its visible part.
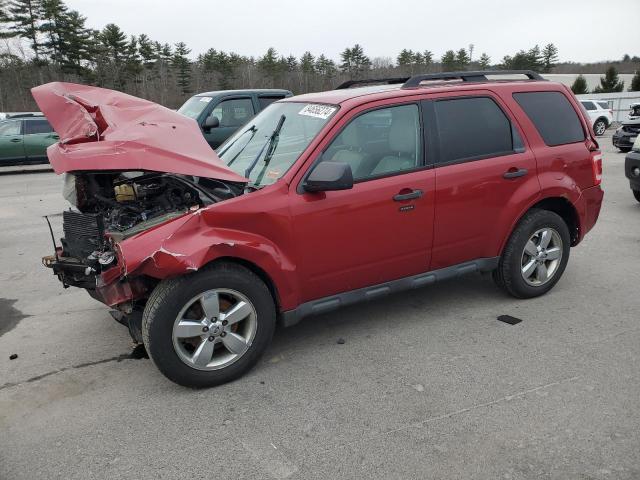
(83, 233)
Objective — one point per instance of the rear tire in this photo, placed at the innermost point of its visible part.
(535, 256)
(184, 329)
(600, 127)
(636, 193)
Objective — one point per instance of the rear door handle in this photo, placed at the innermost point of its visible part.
(15, 140)
(515, 173)
(400, 197)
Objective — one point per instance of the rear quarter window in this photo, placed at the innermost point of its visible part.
(553, 116)
(473, 128)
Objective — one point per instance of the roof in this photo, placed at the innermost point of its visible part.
(381, 92)
(259, 91)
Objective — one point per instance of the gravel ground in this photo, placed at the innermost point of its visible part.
(427, 384)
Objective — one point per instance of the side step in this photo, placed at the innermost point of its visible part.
(334, 302)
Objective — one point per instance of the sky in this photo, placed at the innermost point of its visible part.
(583, 30)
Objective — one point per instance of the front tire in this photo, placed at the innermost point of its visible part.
(636, 193)
(599, 127)
(210, 327)
(535, 256)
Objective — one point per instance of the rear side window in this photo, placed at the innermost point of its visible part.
(554, 117)
(589, 105)
(604, 105)
(473, 128)
(268, 100)
(37, 126)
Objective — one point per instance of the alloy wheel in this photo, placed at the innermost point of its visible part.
(214, 329)
(541, 257)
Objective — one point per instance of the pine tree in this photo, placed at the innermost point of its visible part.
(147, 51)
(53, 14)
(427, 58)
(326, 67)
(484, 61)
(354, 61)
(25, 16)
(182, 66)
(610, 82)
(291, 63)
(462, 59)
(449, 61)
(114, 42)
(78, 44)
(579, 86)
(307, 63)
(405, 58)
(635, 82)
(549, 57)
(535, 59)
(5, 19)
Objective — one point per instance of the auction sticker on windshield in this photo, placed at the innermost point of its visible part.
(318, 111)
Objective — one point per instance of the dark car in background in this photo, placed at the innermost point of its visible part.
(632, 169)
(24, 139)
(626, 135)
(219, 114)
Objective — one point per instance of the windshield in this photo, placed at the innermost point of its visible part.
(268, 145)
(193, 107)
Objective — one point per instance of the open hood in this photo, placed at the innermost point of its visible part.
(103, 129)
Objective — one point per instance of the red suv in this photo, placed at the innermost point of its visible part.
(320, 201)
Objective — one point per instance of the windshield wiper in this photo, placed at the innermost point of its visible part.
(252, 129)
(270, 143)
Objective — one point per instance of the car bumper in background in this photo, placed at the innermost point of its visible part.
(632, 169)
(623, 139)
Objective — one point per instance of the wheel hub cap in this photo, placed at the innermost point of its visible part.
(214, 329)
(541, 257)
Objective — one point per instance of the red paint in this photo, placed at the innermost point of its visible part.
(102, 129)
(312, 245)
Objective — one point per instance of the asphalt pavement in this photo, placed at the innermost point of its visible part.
(427, 384)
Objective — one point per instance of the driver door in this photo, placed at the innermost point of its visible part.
(379, 230)
(11, 142)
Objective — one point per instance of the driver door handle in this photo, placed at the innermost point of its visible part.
(515, 173)
(16, 140)
(400, 197)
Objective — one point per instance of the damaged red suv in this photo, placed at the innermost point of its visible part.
(320, 201)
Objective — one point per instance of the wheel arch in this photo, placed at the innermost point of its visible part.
(257, 270)
(559, 205)
(605, 119)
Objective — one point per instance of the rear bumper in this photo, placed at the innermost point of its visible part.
(631, 162)
(623, 139)
(588, 206)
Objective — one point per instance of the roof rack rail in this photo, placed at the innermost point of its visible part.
(477, 76)
(373, 81)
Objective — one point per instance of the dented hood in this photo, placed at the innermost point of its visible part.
(103, 129)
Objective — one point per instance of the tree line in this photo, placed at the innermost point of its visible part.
(609, 83)
(44, 40)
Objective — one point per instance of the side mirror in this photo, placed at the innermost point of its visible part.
(211, 122)
(329, 176)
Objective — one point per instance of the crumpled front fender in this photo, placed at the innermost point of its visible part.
(190, 242)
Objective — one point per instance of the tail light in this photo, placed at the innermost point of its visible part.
(596, 164)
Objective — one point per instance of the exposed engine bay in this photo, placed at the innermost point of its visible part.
(108, 207)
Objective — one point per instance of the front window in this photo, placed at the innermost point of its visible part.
(234, 112)
(266, 147)
(193, 107)
(9, 127)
